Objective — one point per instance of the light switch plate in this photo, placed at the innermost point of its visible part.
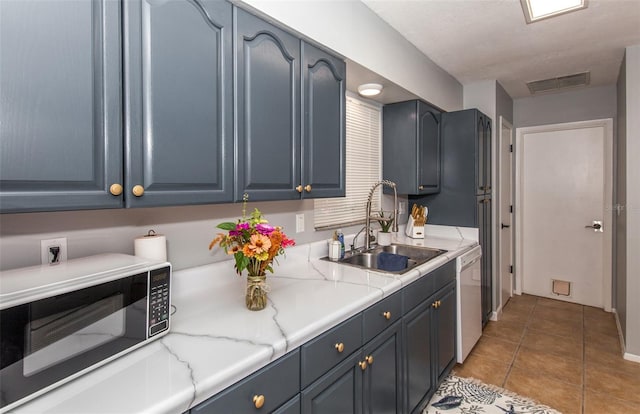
(299, 223)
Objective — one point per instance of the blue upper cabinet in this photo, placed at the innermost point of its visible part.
(323, 124)
(411, 147)
(60, 105)
(178, 102)
(290, 115)
(267, 110)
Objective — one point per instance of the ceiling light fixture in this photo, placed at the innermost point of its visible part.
(370, 89)
(535, 10)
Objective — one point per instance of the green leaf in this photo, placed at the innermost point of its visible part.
(242, 261)
(226, 226)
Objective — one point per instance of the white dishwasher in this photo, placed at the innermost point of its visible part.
(469, 295)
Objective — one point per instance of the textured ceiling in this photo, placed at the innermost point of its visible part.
(477, 40)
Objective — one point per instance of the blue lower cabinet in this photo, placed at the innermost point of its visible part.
(259, 391)
(417, 356)
(339, 391)
(382, 388)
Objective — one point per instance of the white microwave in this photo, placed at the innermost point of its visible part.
(58, 322)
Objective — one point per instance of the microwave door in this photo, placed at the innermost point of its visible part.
(50, 340)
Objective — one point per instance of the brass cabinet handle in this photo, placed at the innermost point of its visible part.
(435, 304)
(369, 359)
(340, 347)
(115, 189)
(258, 401)
(138, 190)
(307, 188)
(363, 365)
(299, 188)
(387, 315)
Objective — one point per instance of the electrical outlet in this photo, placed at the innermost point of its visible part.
(53, 251)
(299, 223)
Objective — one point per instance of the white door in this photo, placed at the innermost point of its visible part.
(564, 187)
(505, 235)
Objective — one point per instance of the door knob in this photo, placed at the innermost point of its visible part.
(596, 226)
(504, 226)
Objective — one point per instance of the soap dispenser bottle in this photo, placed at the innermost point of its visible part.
(341, 240)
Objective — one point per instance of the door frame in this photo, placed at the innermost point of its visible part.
(607, 125)
(498, 205)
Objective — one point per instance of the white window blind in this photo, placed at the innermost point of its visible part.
(363, 142)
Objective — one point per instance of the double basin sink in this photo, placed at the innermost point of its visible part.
(368, 259)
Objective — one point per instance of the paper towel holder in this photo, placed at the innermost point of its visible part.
(151, 233)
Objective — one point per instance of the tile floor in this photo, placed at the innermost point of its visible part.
(561, 354)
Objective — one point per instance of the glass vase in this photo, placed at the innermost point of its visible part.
(256, 295)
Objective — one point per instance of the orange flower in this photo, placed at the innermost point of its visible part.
(234, 249)
(259, 243)
(217, 240)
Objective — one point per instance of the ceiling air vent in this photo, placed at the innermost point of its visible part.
(561, 82)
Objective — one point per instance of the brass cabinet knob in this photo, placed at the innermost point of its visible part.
(435, 305)
(115, 189)
(387, 315)
(138, 190)
(340, 347)
(299, 188)
(307, 188)
(369, 359)
(439, 303)
(258, 401)
(421, 187)
(363, 365)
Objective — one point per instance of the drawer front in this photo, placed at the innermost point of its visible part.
(443, 275)
(417, 292)
(327, 350)
(273, 385)
(381, 315)
(427, 285)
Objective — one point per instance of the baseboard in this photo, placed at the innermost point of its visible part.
(496, 315)
(631, 357)
(625, 354)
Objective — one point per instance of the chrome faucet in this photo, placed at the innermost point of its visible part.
(367, 223)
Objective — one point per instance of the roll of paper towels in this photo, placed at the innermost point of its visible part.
(152, 246)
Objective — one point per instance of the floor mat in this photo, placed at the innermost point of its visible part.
(470, 396)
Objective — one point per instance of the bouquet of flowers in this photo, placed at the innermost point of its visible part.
(253, 243)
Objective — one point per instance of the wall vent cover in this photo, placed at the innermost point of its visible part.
(560, 82)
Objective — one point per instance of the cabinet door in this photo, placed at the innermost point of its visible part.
(178, 125)
(417, 355)
(445, 330)
(485, 229)
(339, 391)
(481, 146)
(323, 109)
(428, 149)
(383, 376)
(267, 110)
(60, 83)
(487, 154)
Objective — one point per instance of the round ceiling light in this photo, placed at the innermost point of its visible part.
(370, 89)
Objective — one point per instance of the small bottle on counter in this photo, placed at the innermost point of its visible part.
(341, 240)
(335, 247)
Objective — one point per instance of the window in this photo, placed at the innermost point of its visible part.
(363, 169)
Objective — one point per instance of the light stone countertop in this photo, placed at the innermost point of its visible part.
(215, 341)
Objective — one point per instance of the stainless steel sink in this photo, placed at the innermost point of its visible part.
(369, 259)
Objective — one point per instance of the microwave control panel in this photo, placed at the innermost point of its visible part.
(159, 300)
